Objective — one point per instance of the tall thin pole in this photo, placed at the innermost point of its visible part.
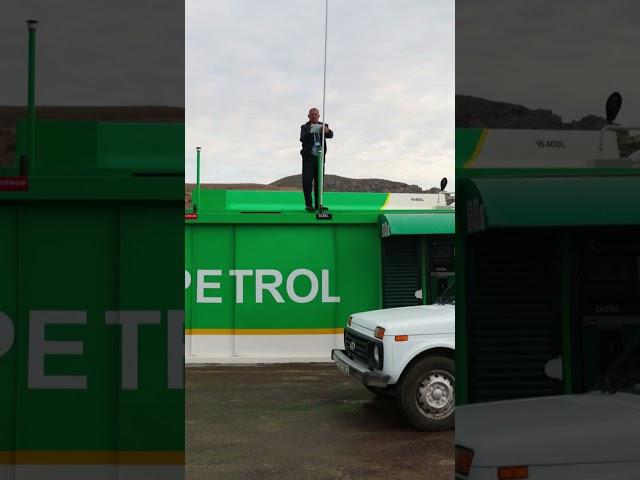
(197, 203)
(324, 112)
(31, 94)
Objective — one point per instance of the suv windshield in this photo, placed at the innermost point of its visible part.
(448, 296)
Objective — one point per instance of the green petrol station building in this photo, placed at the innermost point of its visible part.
(91, 305)
(267, 281)
(547, 261)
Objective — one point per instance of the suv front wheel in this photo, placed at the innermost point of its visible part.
(426, 394)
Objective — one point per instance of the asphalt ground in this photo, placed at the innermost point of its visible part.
(302, 422)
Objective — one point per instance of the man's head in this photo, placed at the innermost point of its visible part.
(314, 115)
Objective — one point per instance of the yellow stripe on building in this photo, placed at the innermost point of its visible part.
(386, 201)
(476, 152)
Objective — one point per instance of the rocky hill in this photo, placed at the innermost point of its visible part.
(335, 183)
(475, 112)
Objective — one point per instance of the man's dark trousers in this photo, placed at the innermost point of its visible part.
(309, 179)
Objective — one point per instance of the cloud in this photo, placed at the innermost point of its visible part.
(254, 68)
(565, 56)
(96, 52)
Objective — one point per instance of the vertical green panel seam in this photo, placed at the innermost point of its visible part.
(118, 306)
(380, 272)
(192, 287)
(195, 229)
(336, 288)
(18, 326)
(235, 300)
(194, 266)
(188, 247)
(424, 262)
(194, 291)
(119, 282)
(566, 296)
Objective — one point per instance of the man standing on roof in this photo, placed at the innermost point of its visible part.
(311, 139)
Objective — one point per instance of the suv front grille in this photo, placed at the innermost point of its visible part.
(360, 348)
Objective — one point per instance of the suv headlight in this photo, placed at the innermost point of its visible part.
(376, 354)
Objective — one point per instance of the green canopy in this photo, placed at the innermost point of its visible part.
(558, 201)
(417, 223)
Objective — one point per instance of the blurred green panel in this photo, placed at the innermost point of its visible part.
(98, 230)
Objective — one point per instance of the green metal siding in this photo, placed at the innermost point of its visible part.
(567, 201)
(92, 237)
(349, 252)
(256, 230)
(94, 258)
(268, 201)
(74, 148)
(418, 223)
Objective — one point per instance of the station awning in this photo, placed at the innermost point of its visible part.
(556, 201)
(417, 223)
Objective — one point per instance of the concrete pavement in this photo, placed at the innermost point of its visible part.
(299, 422)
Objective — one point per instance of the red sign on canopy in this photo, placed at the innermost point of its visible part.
(14, 183)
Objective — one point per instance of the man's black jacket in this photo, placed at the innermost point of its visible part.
(307, 139)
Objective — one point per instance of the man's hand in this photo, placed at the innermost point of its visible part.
(326, 129)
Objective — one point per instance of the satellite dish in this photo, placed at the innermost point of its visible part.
(614, 102)
(443, 183)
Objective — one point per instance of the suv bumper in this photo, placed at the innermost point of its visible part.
(351, 367)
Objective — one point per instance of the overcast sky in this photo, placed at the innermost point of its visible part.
(95, 52)
(565, 56)
(254, 68)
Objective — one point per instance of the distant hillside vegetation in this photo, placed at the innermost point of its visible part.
(475, 112)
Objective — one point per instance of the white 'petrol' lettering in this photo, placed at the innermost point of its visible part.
(203, 285)
(40, 349)
(268, 285)
(313, 291)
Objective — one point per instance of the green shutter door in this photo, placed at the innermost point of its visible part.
(401, 271)
(514, 314)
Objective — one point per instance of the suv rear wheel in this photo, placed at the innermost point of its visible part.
(426, 394)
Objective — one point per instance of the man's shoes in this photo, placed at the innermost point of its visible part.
(321, 209)
(310, 209)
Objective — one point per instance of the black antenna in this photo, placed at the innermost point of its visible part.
(612, 107)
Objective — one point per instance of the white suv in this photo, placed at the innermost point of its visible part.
(586, 436)
(407, 352)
